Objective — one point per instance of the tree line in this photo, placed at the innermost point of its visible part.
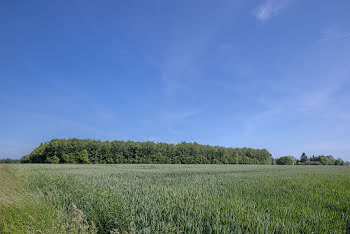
(9, 160)
(313, 160)
(95, 151)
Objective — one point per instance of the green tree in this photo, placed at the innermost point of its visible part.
(326, 160)
(339, 161)
(93, 151)
(286, 160)
(304, 158)
(84, 156)
(53, 159)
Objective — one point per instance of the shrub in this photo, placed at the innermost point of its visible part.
(286, 160)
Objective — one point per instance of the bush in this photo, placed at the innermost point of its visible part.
(286, 160)
(84, 156)
(53, 159)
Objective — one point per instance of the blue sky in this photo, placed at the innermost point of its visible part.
(271, 74)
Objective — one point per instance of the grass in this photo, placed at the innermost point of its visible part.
(192, 198)
(20, 210)
(23, 210)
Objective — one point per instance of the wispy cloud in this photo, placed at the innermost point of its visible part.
(317, 99)
(328, 146)
(173, 131)
(321, 100)
(270, 8)
(183, 55)
(331, 34)
(182, 115)
(251, 124)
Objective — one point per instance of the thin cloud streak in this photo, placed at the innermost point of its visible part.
(270, 8)
(183, 55)
(182, 115)
(330, 34)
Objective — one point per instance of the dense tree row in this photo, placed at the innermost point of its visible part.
(92, 151)
(314, 160)
(9, 160)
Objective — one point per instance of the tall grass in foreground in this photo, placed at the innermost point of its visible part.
(198, 198)
(24, 211)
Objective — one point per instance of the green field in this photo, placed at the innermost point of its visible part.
(174, 198)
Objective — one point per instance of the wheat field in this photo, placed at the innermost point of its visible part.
(184, 198)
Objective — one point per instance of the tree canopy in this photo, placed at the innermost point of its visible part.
(94, 151)
(286, 160)
(304, 158)
(313, 160)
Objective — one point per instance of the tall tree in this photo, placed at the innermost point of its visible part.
(304, 158)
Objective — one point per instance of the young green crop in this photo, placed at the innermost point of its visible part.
(23, 210)
(198, 198)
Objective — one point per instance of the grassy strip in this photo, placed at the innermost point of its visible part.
(25, 211)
